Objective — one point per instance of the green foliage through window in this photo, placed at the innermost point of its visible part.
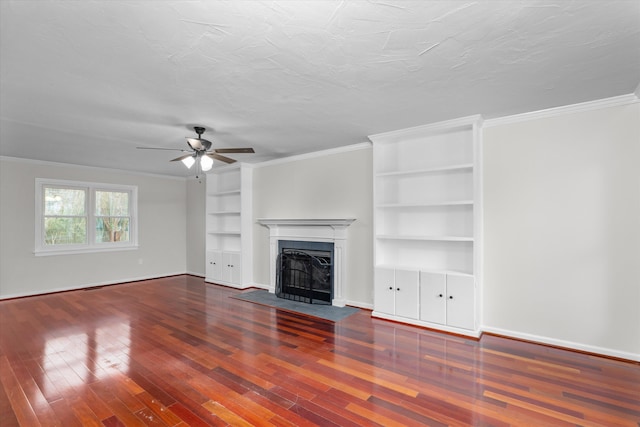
(65, 221)
(112, 216)
(65, 231)
(74, 213)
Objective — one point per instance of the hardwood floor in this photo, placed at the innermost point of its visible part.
(179, 352)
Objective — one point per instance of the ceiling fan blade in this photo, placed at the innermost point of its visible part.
(221, 158)
(181, 158)
(158, 148)
(234, 150)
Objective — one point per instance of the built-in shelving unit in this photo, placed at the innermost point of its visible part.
(228, 226)
(427, 224)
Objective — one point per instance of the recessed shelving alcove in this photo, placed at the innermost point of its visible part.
(229, 246)
(427, 225)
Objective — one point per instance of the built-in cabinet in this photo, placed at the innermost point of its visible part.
(447, 299)
(396, 292)
(229, 226)
(427, 224)
(224, 267)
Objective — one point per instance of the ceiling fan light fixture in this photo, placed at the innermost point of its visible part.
(188, 161)
(201, 154)
(206, 163)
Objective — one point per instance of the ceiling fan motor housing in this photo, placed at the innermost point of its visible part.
(199, 144)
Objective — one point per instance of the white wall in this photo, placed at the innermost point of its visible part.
(162, 225)
(562, 230)
(337, 185)
(196, 199)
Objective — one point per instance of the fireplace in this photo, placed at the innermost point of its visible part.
(332, 231)
(304, 271)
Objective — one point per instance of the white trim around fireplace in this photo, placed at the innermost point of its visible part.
(312, 230)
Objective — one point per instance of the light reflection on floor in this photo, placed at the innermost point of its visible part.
(71, 361)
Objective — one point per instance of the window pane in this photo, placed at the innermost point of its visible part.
(65, 231)
(114, 203)
(63, 201)
(109, 229)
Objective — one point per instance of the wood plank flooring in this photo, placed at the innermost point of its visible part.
(179, 352)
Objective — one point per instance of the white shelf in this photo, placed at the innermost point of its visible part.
(225, 232)
(224, 193)
(427, 270)
(452, 168)
(425, 205)
(224, 213)
(425, 238)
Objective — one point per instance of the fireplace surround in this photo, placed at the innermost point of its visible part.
(311, 230)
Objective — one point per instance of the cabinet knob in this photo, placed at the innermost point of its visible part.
(397, 289)
(440, 295)
(450, 296)
(390, 288)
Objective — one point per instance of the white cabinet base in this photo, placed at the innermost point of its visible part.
(225, 268)
(396, 292)
(441, 301)
(435, 326)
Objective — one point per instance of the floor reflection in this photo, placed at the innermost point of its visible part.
(74, 360)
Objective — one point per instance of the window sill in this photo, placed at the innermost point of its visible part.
(51, 252)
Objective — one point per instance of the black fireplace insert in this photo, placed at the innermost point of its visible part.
(305, 275)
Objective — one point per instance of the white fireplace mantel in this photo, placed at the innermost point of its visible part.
(312, 230)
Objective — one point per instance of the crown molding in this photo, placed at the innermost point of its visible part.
(418, 131)
(315, 154)
(615, 101)
(94, 168)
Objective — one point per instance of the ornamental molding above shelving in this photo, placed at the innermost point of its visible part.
(428, 129)
(335, 223)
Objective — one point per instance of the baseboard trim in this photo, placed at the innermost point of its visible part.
(566, 345)
(90, 285)
(359, 304)
(193, 273)
(262, 286)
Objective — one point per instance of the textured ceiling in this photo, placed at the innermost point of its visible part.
(85, 82)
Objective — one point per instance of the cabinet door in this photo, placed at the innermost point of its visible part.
(461, 301)
(432, 297)
(232, 263)
(214, 266)
(406, 288)
(383, 290)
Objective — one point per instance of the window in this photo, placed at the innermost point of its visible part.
(76, 217)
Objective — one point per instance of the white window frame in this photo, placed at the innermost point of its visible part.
(42, 249)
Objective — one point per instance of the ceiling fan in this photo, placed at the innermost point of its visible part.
(201, 152)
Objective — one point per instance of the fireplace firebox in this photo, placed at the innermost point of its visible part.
(305, 271)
